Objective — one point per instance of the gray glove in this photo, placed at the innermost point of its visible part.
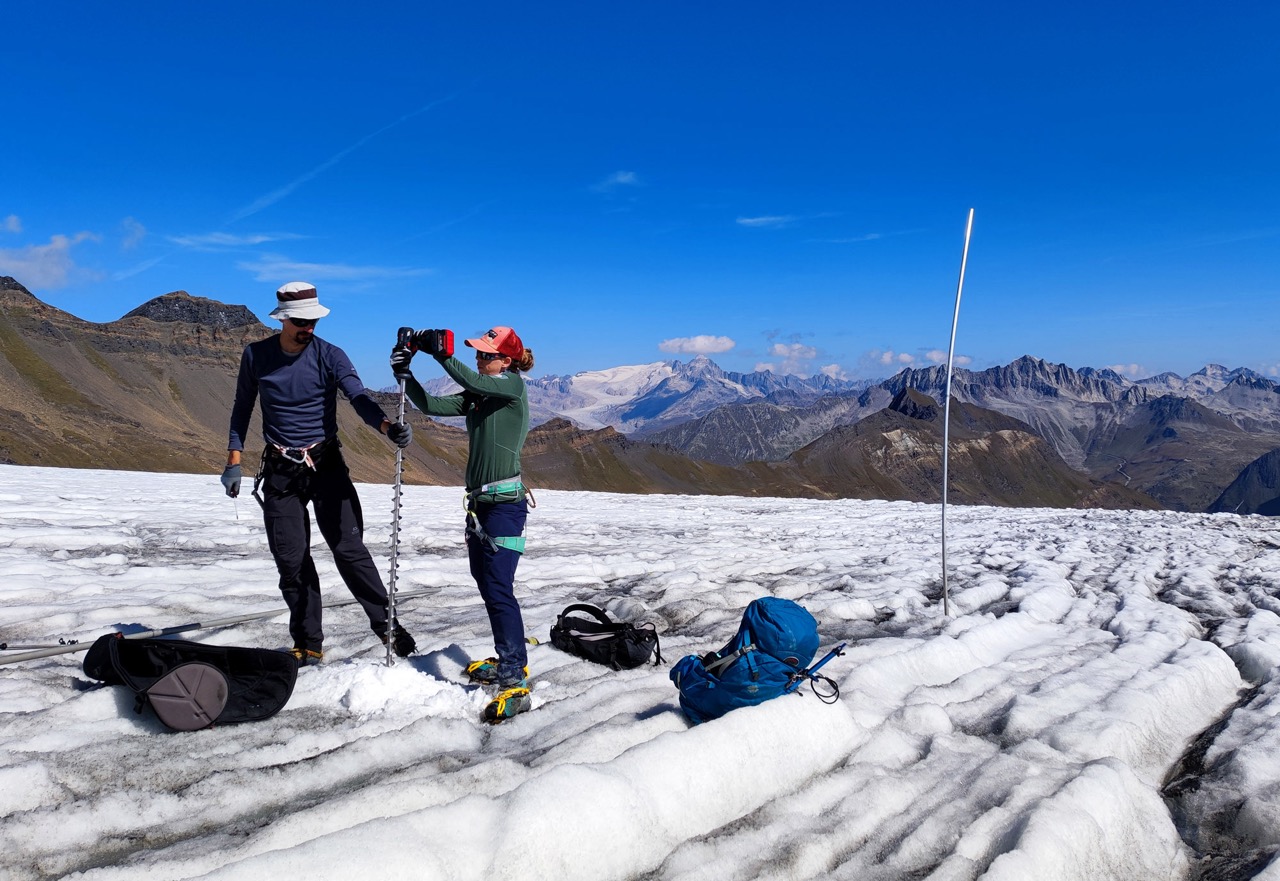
(231, 480)
(400, 433)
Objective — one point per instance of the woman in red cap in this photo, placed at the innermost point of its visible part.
(496, 407)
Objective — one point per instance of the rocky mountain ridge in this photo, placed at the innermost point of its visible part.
(152, 391)
(1184, 450)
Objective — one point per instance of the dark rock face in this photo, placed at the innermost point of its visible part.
(1255, 491)
(915, 405)
(181, 306)
(9, 283)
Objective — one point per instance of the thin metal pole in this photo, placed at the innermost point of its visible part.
(946, 412)
(395, 539)
(83, 645)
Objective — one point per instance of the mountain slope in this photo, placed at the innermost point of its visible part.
(896, 453)
(1256, 490)
(152, 391)
(1183, 454)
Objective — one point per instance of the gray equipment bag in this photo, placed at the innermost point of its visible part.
(190, 696)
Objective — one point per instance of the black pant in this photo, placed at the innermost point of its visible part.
(287, 489)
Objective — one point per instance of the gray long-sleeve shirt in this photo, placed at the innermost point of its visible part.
(299, 393)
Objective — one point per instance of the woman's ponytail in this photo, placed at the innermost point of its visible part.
(525, 362)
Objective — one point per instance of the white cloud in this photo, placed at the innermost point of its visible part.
(217, 240)
(273, 267)
(835, 371)
(134, 233)
(616, 180)
(767, 222)
(939, 356)
(12, 223)
(697, 345)
(795, 357)
(45, 266)
(793, 351)
(890, 358)
(1133, 371)
(765, 366)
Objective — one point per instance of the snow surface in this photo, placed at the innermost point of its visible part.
(1102, 704)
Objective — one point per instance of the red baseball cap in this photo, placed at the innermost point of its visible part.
(502, 340)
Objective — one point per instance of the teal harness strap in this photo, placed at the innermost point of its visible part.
(510, 542)
(510, 490)
(498, 492)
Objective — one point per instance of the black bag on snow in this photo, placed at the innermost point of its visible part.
(619, 645)
(191, 685)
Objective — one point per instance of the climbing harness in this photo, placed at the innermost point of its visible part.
(293, 458)
(511, 489)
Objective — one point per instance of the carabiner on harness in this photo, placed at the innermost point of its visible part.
(473, 523)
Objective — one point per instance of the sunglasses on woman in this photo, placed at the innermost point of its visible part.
(303, 322)
(489, 356)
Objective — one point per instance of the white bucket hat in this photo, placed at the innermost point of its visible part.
(298, 299)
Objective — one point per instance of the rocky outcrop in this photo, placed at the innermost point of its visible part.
(181, 306)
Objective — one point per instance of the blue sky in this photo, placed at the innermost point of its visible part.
(773, 183)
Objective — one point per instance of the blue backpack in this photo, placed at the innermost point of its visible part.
(768, 657)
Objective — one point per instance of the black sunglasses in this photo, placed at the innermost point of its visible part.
(303, 322)
(489, 356)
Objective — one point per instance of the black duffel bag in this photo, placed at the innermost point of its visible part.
(615, 644)
(191, 685)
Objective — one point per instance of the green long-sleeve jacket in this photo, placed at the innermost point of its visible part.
(497, 412)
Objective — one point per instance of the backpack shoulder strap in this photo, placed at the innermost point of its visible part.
(593, 611)
(719, 664)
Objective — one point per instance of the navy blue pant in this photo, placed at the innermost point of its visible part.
(495, 573)
(287, 490)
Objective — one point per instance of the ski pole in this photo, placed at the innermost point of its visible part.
(836, 652)
(810, 673)
(403, 338)
(6, 647)
(72, 645)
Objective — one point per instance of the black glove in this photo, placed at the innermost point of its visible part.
(231, 480)
(400, 434)
(433, 342)
(400, 358)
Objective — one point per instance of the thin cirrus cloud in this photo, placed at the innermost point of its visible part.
(133, 233)
(768, 221)
(617, 180)
(269, 199)
(216, 241)
(705, 344)
(12, 223)
(274, 267)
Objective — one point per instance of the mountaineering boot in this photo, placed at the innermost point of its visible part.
(486, 672)
(306, 657)
(401, 642)
(511, 700)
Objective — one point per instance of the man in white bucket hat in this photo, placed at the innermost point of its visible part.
(298, 375)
